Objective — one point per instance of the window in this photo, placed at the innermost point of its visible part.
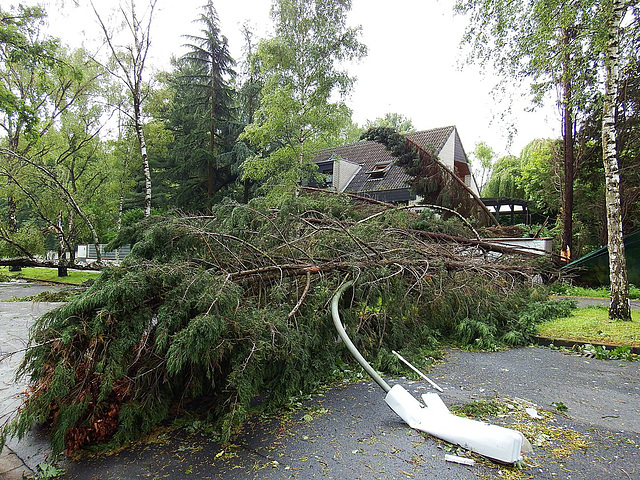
(327, 173)
(378, 171)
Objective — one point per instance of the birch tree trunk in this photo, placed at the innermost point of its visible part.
(143, 155)
(619, 307)
(130, 64)
(62, 250)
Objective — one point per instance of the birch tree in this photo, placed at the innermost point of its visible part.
(129, 64)
(613, 11)
(305, 87)
(41, 87)
(24, 57)
(519, 37)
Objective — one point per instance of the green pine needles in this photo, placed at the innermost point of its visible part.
(234, 306)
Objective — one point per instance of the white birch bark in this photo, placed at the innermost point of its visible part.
(619, 307)
(130, 63)
(145, 161)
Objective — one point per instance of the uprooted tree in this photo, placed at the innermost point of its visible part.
(233, 306)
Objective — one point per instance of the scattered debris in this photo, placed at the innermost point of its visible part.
(561, 407)
(533, 413)
(461, 460)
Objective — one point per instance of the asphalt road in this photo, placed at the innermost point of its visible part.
(348, 432)
(18, 458)
(597, 302)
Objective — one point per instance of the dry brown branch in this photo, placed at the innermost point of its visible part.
(302, 297)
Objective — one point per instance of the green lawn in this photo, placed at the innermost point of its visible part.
(598, 292)
(592, 325)
(75, 277)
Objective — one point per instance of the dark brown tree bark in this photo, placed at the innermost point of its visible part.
(569, 158)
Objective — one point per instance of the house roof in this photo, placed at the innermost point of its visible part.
(371, 154)
(432, 140)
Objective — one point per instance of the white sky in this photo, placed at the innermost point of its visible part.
(414, 66)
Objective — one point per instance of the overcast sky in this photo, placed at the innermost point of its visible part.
(414, 67)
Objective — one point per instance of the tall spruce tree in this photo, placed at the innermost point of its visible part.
(204, 118)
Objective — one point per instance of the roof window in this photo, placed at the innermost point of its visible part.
(379, 170)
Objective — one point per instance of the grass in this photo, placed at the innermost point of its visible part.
(75, 277)
(599, 292)
(592, 325)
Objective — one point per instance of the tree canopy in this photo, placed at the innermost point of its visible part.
(303, 71)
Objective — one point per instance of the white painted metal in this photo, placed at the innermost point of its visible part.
(492, 441)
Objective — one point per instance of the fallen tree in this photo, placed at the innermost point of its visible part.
(234, 305)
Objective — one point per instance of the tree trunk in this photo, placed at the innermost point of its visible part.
(12, 217)
(212, 132)
(619, 308)
(137, 117)
(67, 194)
(62, 250)
(246, 186)
(12, 225)
(569, 160)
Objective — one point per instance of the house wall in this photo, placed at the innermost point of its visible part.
(446, 155)
(343, 172)
(471, 183)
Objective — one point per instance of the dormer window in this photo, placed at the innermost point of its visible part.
(328, 180)
(379, 170)
(327, 173)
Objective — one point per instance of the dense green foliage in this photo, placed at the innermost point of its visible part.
(396, 121)
(233, 306)
(305, 85)
(505, 179)
(562, 288)
(20, 44)
(53, 172)
(202, 119)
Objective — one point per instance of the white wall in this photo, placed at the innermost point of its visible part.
(447, 153)
(343, 172)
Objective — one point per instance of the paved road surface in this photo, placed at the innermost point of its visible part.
(15, 320)
(348, 432)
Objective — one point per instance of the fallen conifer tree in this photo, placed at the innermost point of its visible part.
(234, 305)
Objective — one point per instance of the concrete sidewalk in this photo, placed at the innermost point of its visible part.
(596, 301)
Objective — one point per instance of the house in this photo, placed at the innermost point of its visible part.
(367, 168)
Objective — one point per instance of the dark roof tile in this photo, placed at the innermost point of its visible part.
(368, 154)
